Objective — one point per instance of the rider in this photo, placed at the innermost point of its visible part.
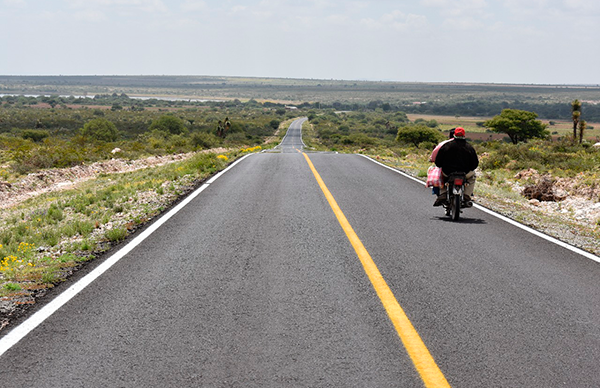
(437, 148)
(457, 156)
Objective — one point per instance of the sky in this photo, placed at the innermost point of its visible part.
(489, 41)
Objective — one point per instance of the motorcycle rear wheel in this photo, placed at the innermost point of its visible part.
(455, 205)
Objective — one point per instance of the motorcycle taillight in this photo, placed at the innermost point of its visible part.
(458, 181)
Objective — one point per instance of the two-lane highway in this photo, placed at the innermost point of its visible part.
(292, 141)
(255, 283)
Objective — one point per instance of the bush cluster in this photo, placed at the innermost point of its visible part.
(33, 139)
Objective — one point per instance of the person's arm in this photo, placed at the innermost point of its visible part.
(439, 159)
(435, 152)
(474, 159)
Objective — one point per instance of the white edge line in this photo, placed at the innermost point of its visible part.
(556, 241)
(19, 332)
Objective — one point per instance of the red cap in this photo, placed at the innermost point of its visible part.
(459, 133)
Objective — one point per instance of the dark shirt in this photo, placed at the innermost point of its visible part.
(457, 155)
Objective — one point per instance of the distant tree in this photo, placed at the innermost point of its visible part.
(223, 127)
(582, 126)
(274, 124)
(169, 124)
(344, 129)
(519, 125)
(374, 104)
(100, 129)
(401, 116)
(51, 100)
(417, 134)
(575, 114)
(35, 134)
(432, 124)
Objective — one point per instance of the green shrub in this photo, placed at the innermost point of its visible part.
(360, 139)
(116, 234)
(427, 145)
(417, 134)
(12, 287)
(100, 129)
(169, 124)
(55, 213)
(35, 135)
(274, 123)
(204, 140)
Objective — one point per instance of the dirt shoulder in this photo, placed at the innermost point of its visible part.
(58, 179)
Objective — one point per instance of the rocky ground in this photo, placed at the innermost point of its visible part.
(565, 208)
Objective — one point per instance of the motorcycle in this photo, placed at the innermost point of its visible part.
(455, 195)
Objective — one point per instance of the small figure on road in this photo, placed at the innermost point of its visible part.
(457, 156)
(434, 174)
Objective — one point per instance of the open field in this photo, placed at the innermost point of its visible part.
(292, 90)
(559, 128)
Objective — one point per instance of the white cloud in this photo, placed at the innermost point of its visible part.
(464, 23)
(585, 6)
(552, 9)
(150, 6)
(193, 5)
(456, 6)
(14, 3)
(337, 19)
(396, 20)
(461, 15)
(90, 16)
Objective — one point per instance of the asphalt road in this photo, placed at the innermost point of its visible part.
(255, 284)
(292, 141)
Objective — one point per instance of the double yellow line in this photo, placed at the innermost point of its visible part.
(430, 373)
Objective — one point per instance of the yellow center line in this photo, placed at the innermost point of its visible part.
(430, 373)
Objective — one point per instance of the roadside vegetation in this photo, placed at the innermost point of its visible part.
(45, 238)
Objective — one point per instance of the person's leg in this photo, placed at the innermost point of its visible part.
(441, 198)
(470, 186)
